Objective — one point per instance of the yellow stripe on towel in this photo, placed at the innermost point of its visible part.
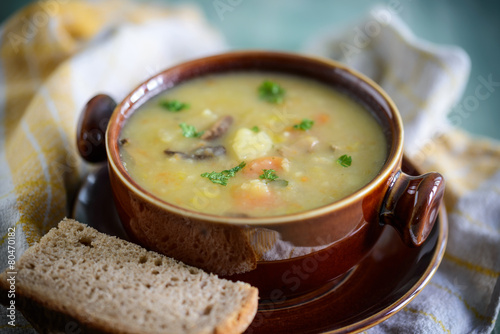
(467, 305)
(430, 315)
(471, 266)
(474, 221)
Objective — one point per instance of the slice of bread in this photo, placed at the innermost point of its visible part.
(80, 280)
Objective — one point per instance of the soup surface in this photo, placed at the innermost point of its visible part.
(252, 144)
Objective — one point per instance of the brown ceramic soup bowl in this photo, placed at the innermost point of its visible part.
(327, 241)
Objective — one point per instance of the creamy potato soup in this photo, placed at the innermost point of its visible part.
(252, 144)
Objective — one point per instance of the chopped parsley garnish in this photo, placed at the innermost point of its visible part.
(222, 177)
(189, 131)
(173, 105)
(255, 129)
(271, 92)
(270, 176)
(306, 124)
(345, 160)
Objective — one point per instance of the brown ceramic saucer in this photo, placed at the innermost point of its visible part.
(377, 288)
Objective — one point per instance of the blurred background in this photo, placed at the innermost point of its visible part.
(289, 24)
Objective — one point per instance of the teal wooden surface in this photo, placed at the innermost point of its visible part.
(287, 25)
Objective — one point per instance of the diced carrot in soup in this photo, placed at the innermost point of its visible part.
(322, 118)
(255, 167)
(254, 194)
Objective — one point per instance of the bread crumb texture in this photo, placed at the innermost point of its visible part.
(116, 286)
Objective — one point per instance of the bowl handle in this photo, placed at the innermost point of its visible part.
(91, 129)
(411, 205)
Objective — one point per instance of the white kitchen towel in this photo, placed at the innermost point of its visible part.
(426, 81)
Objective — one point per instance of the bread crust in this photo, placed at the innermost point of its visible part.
(239, 320)
(48, 316)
